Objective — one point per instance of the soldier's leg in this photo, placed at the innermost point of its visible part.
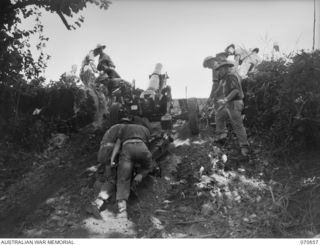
(221, 121)
(124, 174)
(110, 173)
(108, 187)
(144, 157)
(234, 111)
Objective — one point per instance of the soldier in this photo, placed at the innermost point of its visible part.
(249, 63)
(88, 70)
(231, 105)
(133, 140)
(244, 60)
(239, 54)
(105, 63)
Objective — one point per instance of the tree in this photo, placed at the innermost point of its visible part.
(16, 61)
(63, 7)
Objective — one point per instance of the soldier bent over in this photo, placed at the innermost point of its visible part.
(133, 139)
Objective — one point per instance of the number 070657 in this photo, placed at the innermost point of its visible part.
(311, 241)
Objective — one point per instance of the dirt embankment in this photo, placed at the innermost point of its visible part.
(205, 191)
(45, 175)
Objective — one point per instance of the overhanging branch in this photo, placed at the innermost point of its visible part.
(63, 19)
(20, 5)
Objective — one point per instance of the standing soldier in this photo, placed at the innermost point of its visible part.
(239, 54)
(232, 105)
(105, 63)
(88, 70)
(249, 63)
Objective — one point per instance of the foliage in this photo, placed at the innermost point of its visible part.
(21, 83)
(282, 101)
(63, 7)
(64, 108)
(16, 61)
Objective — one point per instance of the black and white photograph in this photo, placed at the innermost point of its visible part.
(162, 119)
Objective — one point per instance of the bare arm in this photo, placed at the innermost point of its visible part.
(232, 94)
(115, 151)
(105, 152)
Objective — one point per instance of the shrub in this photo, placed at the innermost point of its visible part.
(64, 108)
(282, 101)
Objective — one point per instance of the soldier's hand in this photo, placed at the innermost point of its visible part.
(138, 178)
(222, 101)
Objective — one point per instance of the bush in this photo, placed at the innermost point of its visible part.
(283, 102)
(64, 109)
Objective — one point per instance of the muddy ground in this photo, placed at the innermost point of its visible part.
(205, 191)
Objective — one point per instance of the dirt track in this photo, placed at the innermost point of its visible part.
(203, 192)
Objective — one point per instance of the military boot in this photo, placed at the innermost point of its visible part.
(122, 208)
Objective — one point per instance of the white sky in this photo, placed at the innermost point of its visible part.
(179, 34)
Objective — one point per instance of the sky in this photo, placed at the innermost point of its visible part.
(179, 34)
